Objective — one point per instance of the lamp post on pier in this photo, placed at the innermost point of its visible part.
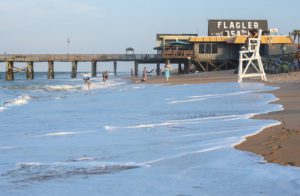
(68, 45)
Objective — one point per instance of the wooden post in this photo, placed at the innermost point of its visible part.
(30, 71)
(9, 70)
(115, 68)
(74, 69)
(94, 68)
(186, 68)
(179, 68)
(50, 70)
(136, 68)
(158, 69)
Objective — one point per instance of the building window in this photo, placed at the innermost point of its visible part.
(214, 48)
(202, 49)
(208, 48)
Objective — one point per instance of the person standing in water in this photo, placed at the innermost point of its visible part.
(167, 72)
(88, 82)
(144, 74)
(105, 76)
(132, 74)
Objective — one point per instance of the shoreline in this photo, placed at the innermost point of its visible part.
(279, 143)
(275, 143)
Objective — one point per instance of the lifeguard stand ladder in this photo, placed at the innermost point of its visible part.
(250, 56)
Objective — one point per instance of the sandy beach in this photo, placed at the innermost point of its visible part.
(277, 144)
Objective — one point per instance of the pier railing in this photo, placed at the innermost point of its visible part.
(77, 57)
(177, 53)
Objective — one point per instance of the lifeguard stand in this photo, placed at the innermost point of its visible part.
(250, 57)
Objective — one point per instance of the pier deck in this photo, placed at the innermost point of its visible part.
(30, 59)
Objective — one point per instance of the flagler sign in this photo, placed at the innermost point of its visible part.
(234, 27)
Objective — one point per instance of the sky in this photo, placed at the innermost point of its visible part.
(110, 26)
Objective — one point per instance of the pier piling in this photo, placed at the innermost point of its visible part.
(30, 71)
(94, 68)
(158, 69)
(74, 69)
(136, 68)
(180, 71)
(9, 70)
(115, 68)
(186, 68)
(50, 70)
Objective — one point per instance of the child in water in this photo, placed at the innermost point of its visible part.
(88, 82)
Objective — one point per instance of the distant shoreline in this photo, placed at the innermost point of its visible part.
(277, 144)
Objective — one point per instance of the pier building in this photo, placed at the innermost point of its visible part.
(220, 48)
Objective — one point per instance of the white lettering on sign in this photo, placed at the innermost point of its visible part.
(219, 24)
(236, 27)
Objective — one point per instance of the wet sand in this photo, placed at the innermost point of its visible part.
(281, 143)
(277, 144)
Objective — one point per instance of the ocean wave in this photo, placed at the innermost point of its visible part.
(186, 100)
(220, 95)
(20, 100)
(8, 147)
(64, 133)
(28, 172)
(195, 98)
(185, 154)
(62, 87)
(181, 121)
(83, 158)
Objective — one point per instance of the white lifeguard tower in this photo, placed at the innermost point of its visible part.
(250, 57)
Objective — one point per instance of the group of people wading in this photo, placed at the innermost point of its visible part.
(87, 80)
(166, 72)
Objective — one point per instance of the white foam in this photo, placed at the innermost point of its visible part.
(220, 95)
(26, 172)
(20, 100)
(210, 133)
(86, 158)
(8, 147)
(63, 87)
(185, 154)
(186, 100)
(182, 121)
(63, 133)
(109, 128)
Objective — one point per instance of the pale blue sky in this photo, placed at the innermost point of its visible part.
(110, 26)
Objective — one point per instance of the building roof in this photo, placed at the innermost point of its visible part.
(241, 39)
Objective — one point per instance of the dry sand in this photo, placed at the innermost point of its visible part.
(278, 144)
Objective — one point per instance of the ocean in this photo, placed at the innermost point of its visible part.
(121, 138)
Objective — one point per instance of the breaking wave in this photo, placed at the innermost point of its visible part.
(62, 87)
(63, 133)
(20, 100)
(180, 122)
(204, 97)
(37, 172)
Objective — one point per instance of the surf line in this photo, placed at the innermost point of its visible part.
(183, 154)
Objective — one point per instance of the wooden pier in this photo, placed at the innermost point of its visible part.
(74, 59)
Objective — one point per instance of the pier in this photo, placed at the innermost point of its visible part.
(217, 51)
(74, 60)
